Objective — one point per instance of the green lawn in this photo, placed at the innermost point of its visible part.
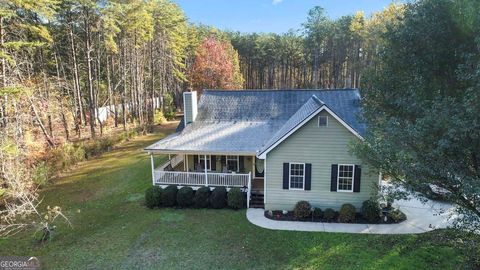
(113, 230)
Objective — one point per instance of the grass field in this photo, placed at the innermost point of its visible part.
(113, 230)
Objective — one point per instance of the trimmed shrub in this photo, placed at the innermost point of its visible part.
(347, 213)
(157, 195)
(371, 211)
(169, 196)
(153, 197)
(218, 197)
(236, 199)
(202, 197)
(317, 213)
(329, 214)
(185, 196)
(149, 201)
(397, 216)
(302, 210)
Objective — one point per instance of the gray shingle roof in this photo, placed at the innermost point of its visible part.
(246, 121)
(312, 105)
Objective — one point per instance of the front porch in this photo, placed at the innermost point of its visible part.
(211, 171)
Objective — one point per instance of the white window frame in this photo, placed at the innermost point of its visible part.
(290, 175)
(338, 178)
(231, 159)
(209, 162)
(318, 120)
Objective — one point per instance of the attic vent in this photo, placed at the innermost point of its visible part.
(323, 121)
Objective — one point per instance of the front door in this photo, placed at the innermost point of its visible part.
(259, 168)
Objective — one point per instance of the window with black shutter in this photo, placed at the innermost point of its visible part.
(297, 176)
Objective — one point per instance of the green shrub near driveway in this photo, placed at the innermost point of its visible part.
(185, 197)
(218, 198)
(202, 197)
(169, 196)
(236, 198)
(371, 211)
(302, 210)
(329, 214)
(397, 215)
(317, 213)
(347, 213)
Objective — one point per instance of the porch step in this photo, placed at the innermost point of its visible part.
(256, 200)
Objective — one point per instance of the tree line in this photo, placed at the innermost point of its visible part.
(324, 53)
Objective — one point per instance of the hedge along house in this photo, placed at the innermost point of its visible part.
(280, 146)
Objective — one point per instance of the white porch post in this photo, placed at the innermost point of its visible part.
(249, 189)
(184, 165)
(186, 158)
(153, 168)
(206, 175)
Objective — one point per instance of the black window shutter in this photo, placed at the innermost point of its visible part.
(241, 163)
(195, 159)
(213, 162)
(333, 183)
(357, 178)
(286, 172)
(308, 176)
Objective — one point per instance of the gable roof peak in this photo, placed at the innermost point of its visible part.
(319, 101)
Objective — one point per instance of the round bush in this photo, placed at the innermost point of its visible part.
(302, 210)
(169, 196)
(153, 197)
(236, 199)
(218, 197)
(317, 213)
(185, 196)
(329, 214)
(149, 201)
(202, 197)
(347, 213)
(371, 211)
(397, 216)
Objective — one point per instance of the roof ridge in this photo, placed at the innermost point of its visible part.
(319, 101)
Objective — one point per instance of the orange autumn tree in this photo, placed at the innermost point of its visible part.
(216, 66)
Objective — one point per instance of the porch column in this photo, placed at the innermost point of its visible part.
(249, 189)
(206, 175)
(153, 167)
(185, 165)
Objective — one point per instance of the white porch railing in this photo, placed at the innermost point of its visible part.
(201, 179)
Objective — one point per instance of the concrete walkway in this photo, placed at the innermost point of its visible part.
(420, 218)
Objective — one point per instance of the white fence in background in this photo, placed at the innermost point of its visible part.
(104, 112)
